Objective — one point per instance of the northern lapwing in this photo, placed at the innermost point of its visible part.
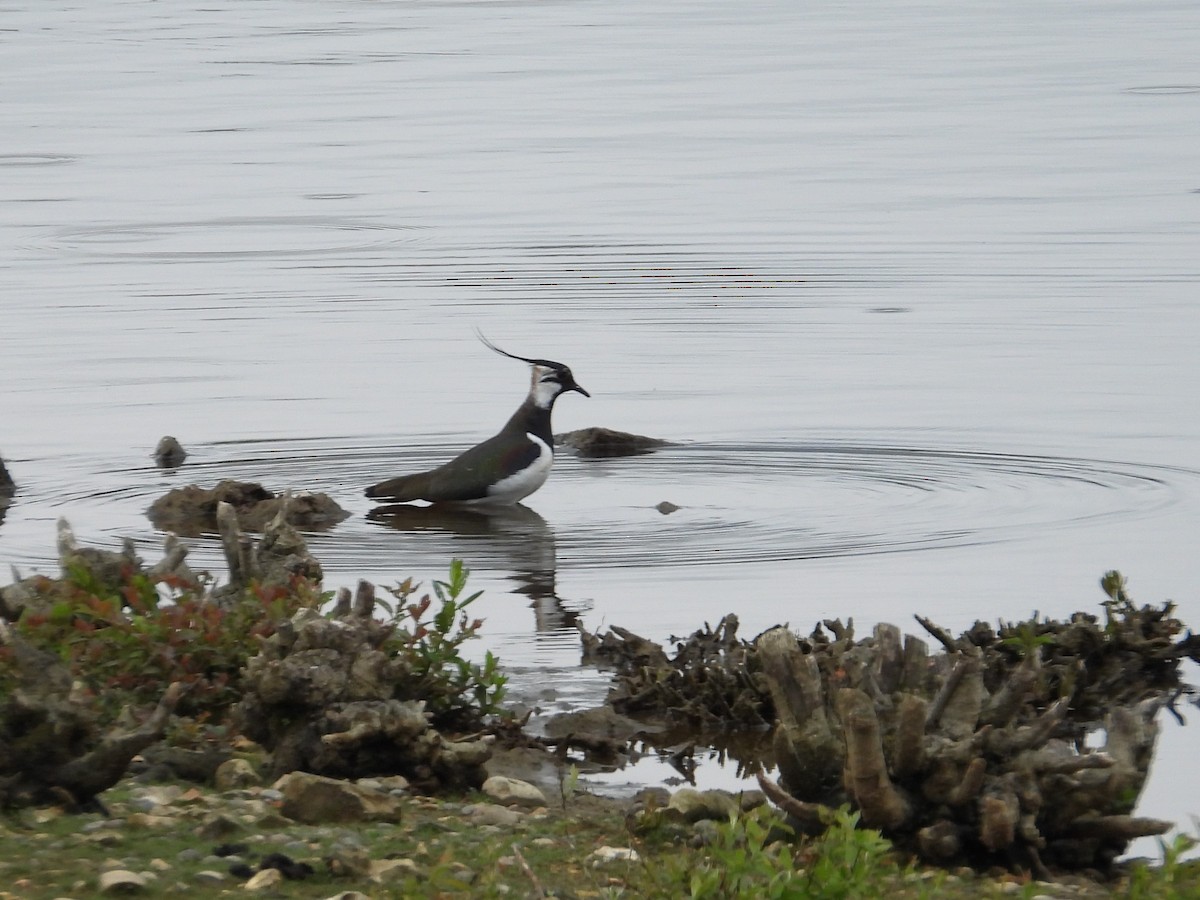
(505, 468)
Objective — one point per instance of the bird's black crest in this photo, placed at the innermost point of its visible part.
(549, 363)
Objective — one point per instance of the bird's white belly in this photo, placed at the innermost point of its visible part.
(522, 484)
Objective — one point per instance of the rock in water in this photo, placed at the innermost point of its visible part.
(602, 442)
(169, 454)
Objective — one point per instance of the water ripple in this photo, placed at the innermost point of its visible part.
(739, 502)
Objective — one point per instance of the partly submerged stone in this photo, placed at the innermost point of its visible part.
(192, 510)
(8, 487)
(169, 453)
(601, 442)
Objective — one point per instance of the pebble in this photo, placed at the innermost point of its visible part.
(602, 855)
(266, 880)
(490, 814)
(120, 881)
(513, 790)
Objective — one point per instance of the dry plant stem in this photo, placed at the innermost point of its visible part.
(938, 706)
(943, 637)
(538, 890)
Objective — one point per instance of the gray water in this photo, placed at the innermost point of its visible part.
(914, 289)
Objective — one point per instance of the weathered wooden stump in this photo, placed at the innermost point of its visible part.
(975, 754)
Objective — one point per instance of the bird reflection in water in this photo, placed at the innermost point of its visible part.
(510, 538)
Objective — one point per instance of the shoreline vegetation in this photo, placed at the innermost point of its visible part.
(163, 734)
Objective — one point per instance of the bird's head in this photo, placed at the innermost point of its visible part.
(549, 378)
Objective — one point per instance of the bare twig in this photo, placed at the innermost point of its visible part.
(538, 890)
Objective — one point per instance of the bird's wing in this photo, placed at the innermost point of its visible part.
(466, 477)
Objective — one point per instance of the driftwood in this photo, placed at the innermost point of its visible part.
(51, 746)
(975, 752)
(711, 682)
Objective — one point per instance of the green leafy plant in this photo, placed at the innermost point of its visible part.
(847, 861)
(752, 855)
(429, 641)
(1173, 879)
(1025, 640)
(568, 784)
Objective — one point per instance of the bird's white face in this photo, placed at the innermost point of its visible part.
(546, 386)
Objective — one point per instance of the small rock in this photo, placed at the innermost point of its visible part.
(149, 821)
(749, 800)
(667, 507)
(121, 881)
(602, 855)
(696, 805)
(217, 826)
(8, 487)
(169, 454)
(513, 790)
(349, 862)
(235, 773)
(603, 442)
(390, 871)
(392, 783)
(264, 880)
(491, 814)
(313, 799)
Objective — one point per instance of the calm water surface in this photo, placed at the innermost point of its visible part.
(915, 291)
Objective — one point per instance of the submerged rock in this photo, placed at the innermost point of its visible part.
(169, 454)
(8, 487)
(602, 442)
(192, 510)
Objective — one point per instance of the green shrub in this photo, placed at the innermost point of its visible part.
(125, 645)
(456, 691)
(753, 855)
